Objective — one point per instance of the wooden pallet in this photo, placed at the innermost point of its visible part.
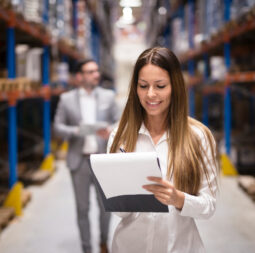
(247, 183)
(60, 155)
(6, 215)
(35, 176)
(18, 84)
(25, 197)
(3, 195)
(2, 198)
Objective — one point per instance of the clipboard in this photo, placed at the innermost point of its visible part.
(91, 129)
(119, 178)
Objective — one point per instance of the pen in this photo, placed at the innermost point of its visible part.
(122, 150)
(158, 163)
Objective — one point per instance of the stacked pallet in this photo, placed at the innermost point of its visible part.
(21, 84)
(247, 183)
(37, 177)
(6, 215)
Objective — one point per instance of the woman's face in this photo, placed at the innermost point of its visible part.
(154, 91)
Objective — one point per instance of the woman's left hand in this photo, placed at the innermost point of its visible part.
(165, 192)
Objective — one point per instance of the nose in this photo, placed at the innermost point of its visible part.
(151, 92)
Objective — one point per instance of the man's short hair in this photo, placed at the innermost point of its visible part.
(81, 63)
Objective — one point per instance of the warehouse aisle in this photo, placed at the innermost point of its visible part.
(49, 220)
(49, 223)
(232, 227)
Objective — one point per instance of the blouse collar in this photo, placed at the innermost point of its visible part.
(144, 130)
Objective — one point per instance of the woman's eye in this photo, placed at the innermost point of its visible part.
(142, 86)
(161, 86)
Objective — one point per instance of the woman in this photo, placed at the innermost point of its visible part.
(155, 118)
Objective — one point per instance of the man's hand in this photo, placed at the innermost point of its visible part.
(85, 129)
(104, 133)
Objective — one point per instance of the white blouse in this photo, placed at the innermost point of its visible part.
(174, 232)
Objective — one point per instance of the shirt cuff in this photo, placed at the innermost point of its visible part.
(187, 206)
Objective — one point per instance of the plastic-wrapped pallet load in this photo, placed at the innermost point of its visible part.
(60, 18)
(33, 10)
(239, 7)
(180, 36)
(33, 66)
(87, 34)
(214, 16)
(68, 19)
(17, 5)
(218, 68)
(21, 60)
(63, 73)
(80, 42)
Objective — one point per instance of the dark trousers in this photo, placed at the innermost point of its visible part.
(82, 180)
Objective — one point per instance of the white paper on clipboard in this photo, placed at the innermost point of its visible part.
(124, 173)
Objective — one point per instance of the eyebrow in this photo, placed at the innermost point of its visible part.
(157, 81)
(142, 80)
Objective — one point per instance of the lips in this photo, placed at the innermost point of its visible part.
(152, 104)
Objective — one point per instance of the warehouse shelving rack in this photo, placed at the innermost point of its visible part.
(38, 33)
(34, 34)
(222, 42)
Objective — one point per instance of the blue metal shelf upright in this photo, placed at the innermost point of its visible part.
(95, 41)
(12, 115)
(191, 63)
(227, 95)
(46, 105)
(45, 82)
(205, 105)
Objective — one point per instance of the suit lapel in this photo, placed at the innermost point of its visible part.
(77, 105)
(97, 103)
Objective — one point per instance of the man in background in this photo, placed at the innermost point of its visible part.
(84, 117)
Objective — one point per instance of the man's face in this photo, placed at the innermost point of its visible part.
(89, 76)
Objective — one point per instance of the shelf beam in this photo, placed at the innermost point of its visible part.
(241, 77)
(227, 34)
(36, 31)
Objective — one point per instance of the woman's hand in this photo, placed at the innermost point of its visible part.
(165, 192)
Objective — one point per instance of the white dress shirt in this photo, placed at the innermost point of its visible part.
(88, 112)
(173, 232)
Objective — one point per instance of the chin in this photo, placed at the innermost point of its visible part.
(153, 113)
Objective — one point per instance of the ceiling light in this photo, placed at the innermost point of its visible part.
(162, 10)
(130, 3)
(127, 17)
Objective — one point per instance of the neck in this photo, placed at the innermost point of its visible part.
(155, 125)
(88, 88)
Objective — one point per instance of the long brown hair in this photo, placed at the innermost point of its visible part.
(187, 157)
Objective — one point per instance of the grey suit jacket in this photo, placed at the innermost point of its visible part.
(68, 117)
